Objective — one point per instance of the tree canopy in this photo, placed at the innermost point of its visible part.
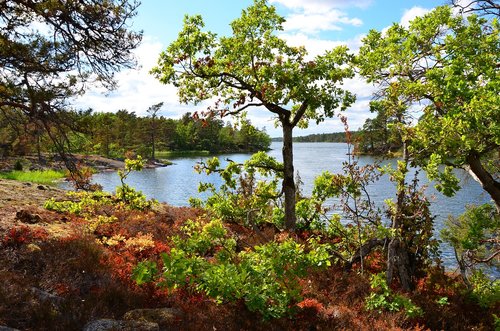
(51, 51)
(446, 67)
(254, 67)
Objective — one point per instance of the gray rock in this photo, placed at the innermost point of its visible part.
(46, 296)
(161, 316)
(6, 328)
(114, 325)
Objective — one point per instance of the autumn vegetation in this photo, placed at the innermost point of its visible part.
(256, 254)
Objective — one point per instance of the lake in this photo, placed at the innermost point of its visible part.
(176, 183)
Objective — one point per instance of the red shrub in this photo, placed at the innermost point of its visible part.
(23, 234)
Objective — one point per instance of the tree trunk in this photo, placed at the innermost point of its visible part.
(288, 180)
(486, 180)
(38, 147)
(363, 251)
(397, 253)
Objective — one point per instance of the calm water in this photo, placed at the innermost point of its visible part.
(176, 183)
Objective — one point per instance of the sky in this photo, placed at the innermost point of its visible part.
(318, 25)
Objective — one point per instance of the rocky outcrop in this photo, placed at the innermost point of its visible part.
(109, 324)
(6, 328)
(162, 316)
(138, 320)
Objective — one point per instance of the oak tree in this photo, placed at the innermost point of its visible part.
(255, 68)
(447, 67)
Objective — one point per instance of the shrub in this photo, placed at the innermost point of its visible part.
(383, 299)
(474, 237)
(485, 291)
(265, 278)
(18, 165)
(241, 198)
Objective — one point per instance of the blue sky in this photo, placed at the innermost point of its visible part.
(316, 24)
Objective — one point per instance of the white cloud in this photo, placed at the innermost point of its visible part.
(315, 22)
(313, 16)
(360, 87)
(317, 46)
(411, 13)
(137, 89)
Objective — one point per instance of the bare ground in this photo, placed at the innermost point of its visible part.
(22, 203)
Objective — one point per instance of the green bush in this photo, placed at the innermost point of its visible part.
(484, 290)
(241, 198)
(87, 204)
(82, 203)
(267, 277)
(382, 298)
(474, 237)
(128, 195)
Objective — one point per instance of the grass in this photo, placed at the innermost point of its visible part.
(37, 176)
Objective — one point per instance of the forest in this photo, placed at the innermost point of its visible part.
(334, 137)
(114, 134)
(255, 252)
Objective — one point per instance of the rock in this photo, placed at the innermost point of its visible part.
(27, 217)
(41, 187)
(46, 296)
(109, 324)
(162, 316)
(6, 328)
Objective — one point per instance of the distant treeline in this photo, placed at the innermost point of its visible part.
(334, 137)
(114, 134)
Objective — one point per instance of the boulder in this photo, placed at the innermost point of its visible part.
(6, 328)
(27, 217)
(162, 316)
(115, 325)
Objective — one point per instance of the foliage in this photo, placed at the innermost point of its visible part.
(445, 66)
(88, 204)
(416, 230)
(380, 135)
(36, 176)
(95, 222)
(127, 194)
(266, 278)
(254, 68)
(334, 137)
(485, 290)
(82, 203)
(73, 45)
(114, 134)
(474, 236)
(359, 220)
(81, 179)
(23, 235)
(242, 197)
(18, 165)
(383, 299)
